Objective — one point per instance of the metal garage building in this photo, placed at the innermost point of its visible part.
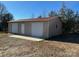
(36, 27)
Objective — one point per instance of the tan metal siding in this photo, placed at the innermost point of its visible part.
(28, 28)
(53, 30)
(19, 28)
(15, 28)
(45, 30)
(9, 27)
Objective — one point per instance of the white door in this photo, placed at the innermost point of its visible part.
(15, 27)
(22, 28)
(37, 29)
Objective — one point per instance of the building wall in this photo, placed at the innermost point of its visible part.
(51, 28)
(19, 28)
(9, 27)
(45, 30)
(28, 28)
(55, 27)
(15, 27)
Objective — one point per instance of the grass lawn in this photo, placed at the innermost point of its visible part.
(20, 47)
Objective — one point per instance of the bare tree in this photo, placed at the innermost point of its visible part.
(5, 16)
(2, 11)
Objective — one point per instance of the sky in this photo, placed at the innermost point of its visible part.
(29, 9)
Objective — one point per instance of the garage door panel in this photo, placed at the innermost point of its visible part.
(37, 29)
(15, 27)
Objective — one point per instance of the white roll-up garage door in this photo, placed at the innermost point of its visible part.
(37, 29)
(15, 27)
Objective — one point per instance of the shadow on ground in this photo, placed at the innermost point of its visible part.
(72, 38)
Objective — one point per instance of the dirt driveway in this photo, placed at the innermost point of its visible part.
(23, 48)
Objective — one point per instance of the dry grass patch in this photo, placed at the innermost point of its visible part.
(19, 47)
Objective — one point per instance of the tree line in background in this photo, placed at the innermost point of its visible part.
(68, 17)
(5, 16)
